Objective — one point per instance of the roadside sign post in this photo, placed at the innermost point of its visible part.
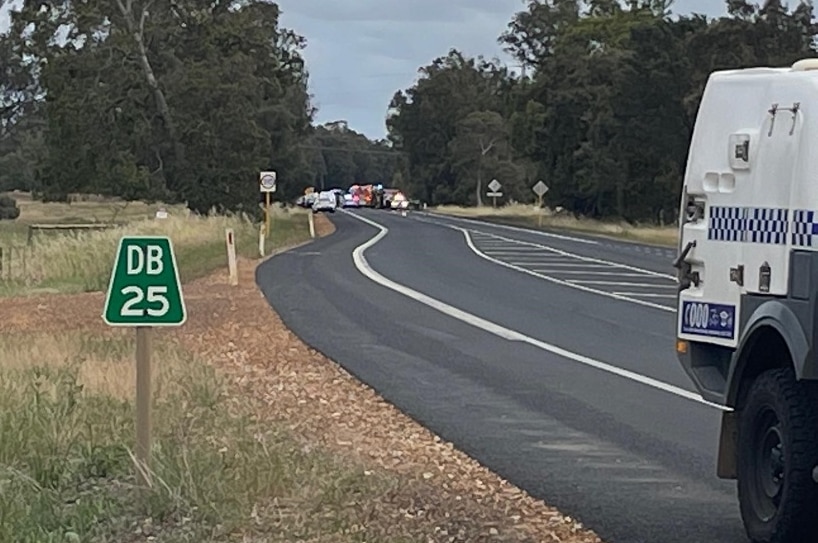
(494, 191)
(267, 184)
(232, 265)
(540, 189)
(144, 292)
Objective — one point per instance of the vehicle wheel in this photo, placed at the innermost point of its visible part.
(778, 448)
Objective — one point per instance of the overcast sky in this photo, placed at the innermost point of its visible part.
(359, 52)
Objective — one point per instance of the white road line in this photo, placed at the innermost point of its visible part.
(576, 256)
(517, 251)
(620, 284)
(646, 294)
(533, 253)
(506, 227)
(562, 264)
(553, 279)
(595, 273)
(511, 335)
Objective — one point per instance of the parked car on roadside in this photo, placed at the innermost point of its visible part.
(326, 201)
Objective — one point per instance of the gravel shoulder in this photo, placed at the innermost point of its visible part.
(443, 494)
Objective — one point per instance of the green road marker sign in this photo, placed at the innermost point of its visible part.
(144, 289)
(144, 292)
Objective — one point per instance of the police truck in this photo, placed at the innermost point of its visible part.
(747, 308)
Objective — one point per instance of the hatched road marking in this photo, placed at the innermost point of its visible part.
(505, 333)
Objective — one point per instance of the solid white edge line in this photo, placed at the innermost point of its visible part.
(511, 335)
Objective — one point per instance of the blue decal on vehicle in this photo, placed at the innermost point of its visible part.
(708, 319)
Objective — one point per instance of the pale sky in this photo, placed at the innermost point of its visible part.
(359, 52)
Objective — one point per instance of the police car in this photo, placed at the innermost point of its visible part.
(747, 315)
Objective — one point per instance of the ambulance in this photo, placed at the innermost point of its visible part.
(747, 313)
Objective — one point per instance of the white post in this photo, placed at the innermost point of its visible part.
(261, 241)
(312, 225)
(231, 257)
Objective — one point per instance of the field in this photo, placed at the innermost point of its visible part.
(257, 438)
(80, 260)
(530, 216)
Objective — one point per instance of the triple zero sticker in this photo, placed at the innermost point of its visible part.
(708, 319)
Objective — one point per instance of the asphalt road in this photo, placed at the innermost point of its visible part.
(571, 390)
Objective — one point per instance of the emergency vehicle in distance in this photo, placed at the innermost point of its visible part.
(375, 196)
(747, 313)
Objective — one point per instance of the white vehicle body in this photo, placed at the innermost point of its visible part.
(325, 201)
(747, 313)
(399, 201)
(755, 210)
(350, 201)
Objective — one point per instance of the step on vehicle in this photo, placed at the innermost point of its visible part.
(747, 314)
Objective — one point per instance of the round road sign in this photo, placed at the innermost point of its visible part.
(268, 181)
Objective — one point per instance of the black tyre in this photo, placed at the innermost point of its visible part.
(777, 450)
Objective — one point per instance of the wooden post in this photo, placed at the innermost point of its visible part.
(267, 214)
(143, 405)
(539, 211)
(232, 266)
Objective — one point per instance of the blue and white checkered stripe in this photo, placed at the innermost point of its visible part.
(804, 228)
(767, 225)
(749, 224)
(727, 223)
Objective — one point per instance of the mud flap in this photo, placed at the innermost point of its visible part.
(727, 460)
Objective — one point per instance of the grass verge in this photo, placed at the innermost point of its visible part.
(529, 217)
(81, 261)
(221, 473)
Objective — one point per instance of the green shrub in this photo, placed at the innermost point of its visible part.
(8, 208)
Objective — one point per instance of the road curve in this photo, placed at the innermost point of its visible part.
(533, 353)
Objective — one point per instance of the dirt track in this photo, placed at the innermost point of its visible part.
(447, 497)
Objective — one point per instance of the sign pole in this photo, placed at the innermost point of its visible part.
(267, 182)
(267, 214)
(144, 291)
(143, 404)
(539, 189)
(494, 187)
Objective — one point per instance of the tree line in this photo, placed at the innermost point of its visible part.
(180, 101)
(604, 113)
(187, 100)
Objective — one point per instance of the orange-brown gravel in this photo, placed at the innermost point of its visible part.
(447, 496)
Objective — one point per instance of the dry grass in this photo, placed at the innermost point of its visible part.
(221, 472)
(530, 216)
(257, 438)
(76, 261)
